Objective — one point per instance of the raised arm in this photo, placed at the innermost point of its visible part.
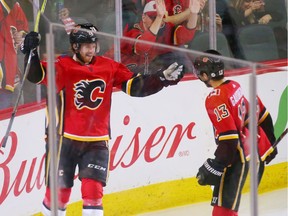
(144, 85)
(31, 42)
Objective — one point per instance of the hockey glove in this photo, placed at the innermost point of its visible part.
(210, 172)
(172, 75)
(31, 41)
(272, 155)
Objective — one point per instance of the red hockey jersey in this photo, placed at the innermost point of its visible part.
(12, 20)
(228, 109)
(86, 92)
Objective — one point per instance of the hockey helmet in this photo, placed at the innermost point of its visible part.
(213, 67)
(84, 33)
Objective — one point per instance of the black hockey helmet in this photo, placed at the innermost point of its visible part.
(213, 67)
(84, 33)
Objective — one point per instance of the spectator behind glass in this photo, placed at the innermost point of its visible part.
(203, 20)
(13, 26)
(52, 15)
(68, 14)
(130, 13)
(242, 13)
(152, 28)
(178, 11)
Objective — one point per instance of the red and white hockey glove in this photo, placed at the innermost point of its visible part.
(210, 172)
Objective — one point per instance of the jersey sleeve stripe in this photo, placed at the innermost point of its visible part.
(263, 117)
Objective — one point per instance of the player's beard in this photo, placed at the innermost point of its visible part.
(85, 60)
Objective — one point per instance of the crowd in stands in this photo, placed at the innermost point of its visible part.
(174, 23)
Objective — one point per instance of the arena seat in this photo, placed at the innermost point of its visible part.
(201, 43)
(258, 43)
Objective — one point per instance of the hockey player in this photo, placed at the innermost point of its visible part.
(227, 109)
(85, 84)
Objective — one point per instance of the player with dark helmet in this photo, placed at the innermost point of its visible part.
(85, 83)
(227, 108)
(211, 66)
(83, 33)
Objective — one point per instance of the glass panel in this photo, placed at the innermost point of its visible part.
(156, 142)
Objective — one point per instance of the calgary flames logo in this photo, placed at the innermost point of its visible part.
(177, 9)
(88, 93)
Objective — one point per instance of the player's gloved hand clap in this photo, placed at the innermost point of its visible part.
(271, 156)
(173, 74)
(210, 172)
(31, 41)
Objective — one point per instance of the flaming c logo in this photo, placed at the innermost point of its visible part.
(89, 93)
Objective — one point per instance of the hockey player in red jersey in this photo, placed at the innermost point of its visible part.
(227, 109)
(85, 84)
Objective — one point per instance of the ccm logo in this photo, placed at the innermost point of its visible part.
(94, 166)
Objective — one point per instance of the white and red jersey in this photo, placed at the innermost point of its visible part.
(12, 20)
(86, 92)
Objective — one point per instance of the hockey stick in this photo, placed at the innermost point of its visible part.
(280, 138)
(5, 138)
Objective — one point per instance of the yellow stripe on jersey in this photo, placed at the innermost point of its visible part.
(129, 84)
(5, 5)
(221, 187)
(267, 153)
(228, 137)
(86, 138)
(239, 186)
(175, 36)
(134, 47)
(1, 75)
(43, 74)
(61, 114)
(263, 117)
(242, 153)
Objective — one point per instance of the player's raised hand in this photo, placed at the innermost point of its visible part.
(31, 41)
(173, 72)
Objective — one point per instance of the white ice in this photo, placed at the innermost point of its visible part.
(272, 203)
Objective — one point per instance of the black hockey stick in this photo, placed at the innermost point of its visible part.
(280, 138)
(17, 101)
(5, 138)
